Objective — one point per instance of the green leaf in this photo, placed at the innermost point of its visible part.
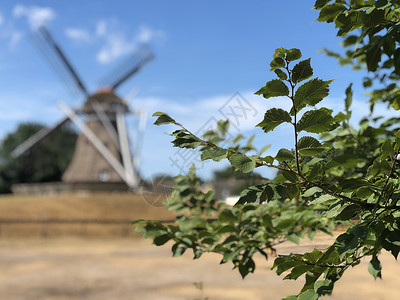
(308, 295)
(290, 176)
(284, 154)
(163, 118)
(373, 56)
(293, 54)
(396, 58)
(292, 190)
(282, 75)
(312, 191)
(161, 240)
(298, 271)
(274, 117)
(265, 148)
(280, 52)
(311, 93)
(329, 13)
(349, 212)
(375, 268)
(302, 71)
(316, 121)
(247, 267)
(242, 163)
(214, 153)
(387, 149)
(227, 215)
(320, 3)
(309, 146)
(273, 88)
(349, 98)
(185, 140)
(277, 63)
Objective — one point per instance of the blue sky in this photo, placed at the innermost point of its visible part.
(206, 52)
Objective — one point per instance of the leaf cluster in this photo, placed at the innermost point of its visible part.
(334, 174)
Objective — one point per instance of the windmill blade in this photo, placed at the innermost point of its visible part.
(38, 138)
(129, 67)
(56, 57)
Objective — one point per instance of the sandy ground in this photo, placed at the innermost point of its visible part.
(79, 268)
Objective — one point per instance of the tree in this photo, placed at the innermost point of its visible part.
(46, 162)
(345, 174)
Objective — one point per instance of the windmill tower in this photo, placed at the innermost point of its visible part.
(102, 152)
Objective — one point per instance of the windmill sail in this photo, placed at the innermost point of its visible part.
(38, 138)
(128, 68)
(58, 58)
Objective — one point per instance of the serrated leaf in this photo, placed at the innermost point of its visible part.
(273, 88)
(216, 154)
(293, 54)
(185, 140)
(309, 146)
(316, 121)
(277, 63)
(311, 93)
(274, 117)
(330, 12)
(302, 71)
(242, 163)
(284, 154)
(163, 118)
(290, 176)
(282, 75)
(374, 267)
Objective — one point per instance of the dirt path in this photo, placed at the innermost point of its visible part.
(133, 269)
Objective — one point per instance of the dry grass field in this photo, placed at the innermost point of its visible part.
(118, 207)
(103, 264)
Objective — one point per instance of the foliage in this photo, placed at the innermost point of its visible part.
(333, 174)
(47, 162)
(370, 31)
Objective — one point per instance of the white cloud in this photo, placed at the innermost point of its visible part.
(146, 34)
(78, 34)
(36, 16)
(117, 44)
(243, 110)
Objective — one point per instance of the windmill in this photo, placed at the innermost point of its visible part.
(102, 152)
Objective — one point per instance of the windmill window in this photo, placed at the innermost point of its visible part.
(104, 175)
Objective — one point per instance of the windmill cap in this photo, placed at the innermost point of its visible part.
(107, 99)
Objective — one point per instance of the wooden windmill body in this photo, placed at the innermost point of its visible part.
(102, 151)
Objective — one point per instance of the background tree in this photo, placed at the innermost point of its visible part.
(44, 163)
